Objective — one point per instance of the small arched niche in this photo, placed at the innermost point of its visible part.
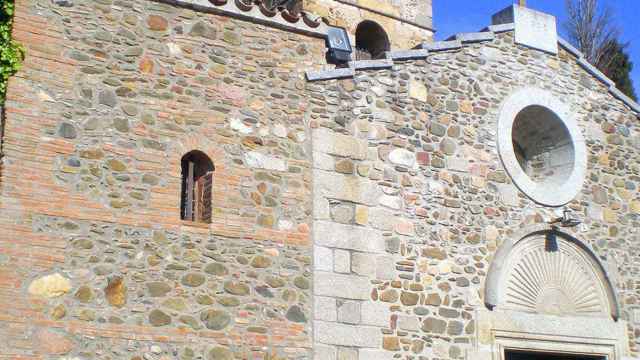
(197, 183)
(371, 41)
(549, 272)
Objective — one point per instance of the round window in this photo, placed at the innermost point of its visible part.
(541, 147)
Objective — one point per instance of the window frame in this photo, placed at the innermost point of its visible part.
(196, 185)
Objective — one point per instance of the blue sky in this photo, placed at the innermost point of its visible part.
(454, 16)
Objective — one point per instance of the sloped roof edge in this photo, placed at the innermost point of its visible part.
(456, 42)
(304, 22)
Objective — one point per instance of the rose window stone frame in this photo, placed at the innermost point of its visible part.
(545, 193)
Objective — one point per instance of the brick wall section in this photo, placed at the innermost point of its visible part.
(411, 200)
(94, 260)
(390, 208)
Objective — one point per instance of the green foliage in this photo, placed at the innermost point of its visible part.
(619, 68)
(11, 53)
(592, 29)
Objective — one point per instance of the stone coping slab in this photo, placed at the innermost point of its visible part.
(407, 54)
(500, 28)
(595, 72)
(443, 45)
(371, 64)
(474, 37)
(331, 74)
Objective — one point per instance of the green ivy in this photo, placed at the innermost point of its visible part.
(11, 52)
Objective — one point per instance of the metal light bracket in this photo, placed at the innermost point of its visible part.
(338, 45)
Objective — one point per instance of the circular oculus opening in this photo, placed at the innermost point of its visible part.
(543, 146)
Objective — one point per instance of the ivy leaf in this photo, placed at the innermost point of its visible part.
(11, 52)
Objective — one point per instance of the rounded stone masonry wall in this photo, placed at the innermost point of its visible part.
(541, 147)
(416, 185)
(111, 271)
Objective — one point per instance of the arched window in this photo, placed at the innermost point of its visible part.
(371, 41)
(197, 181)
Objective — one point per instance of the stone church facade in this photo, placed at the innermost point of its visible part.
(190, 179)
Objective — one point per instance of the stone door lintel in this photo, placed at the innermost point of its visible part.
(501, 330)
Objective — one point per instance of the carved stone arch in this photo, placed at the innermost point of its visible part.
(547, 271)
